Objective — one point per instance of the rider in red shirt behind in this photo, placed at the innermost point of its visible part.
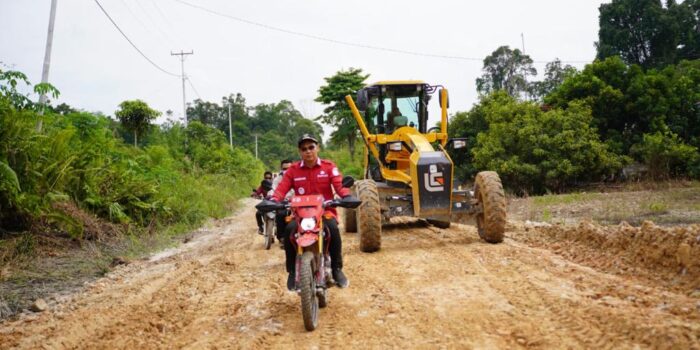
(313, 175)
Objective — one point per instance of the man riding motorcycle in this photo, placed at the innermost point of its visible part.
(280, 218)
(313, 175)
(260, 193)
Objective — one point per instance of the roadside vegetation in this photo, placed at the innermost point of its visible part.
(73, 181)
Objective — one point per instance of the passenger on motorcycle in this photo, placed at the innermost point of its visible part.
(261, 193)
(313, 175)
(280, 218)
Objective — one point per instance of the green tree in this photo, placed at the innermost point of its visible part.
(535, 151)
(469, 125)
(337, 113)
(506, 70)
(63, 109)
(8, 89)
(207, 113)
(628, 102)
(554, 75)
(646, 33)
(686, 17)
(136, 116)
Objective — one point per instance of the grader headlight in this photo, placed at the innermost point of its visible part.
(395, 146)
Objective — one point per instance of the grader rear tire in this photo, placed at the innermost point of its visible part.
(369, 216)
(488, 190)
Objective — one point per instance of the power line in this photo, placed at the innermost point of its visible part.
(340, 42)
(155, 25)
(189, 81)
(168, 23)
(132, 44)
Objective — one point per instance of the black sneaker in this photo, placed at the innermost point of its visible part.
(340, 278)
(291, 286)
(260, 230)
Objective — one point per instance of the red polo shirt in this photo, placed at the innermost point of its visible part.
(322, 178)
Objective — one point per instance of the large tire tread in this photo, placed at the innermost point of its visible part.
(369, 216)
(488, 190)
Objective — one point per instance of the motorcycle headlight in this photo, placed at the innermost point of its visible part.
(308, 224)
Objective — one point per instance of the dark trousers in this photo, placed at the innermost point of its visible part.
(259, 219)
(335, 248)
(281, 225)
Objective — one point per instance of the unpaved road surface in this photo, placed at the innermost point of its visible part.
(545, 287)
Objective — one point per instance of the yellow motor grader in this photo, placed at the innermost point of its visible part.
(407, 170)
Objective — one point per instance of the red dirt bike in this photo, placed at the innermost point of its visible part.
(313, 263)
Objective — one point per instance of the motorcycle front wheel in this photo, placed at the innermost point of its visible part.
(309, 300)
(269, 233)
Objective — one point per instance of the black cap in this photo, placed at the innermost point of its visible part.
(306, 137)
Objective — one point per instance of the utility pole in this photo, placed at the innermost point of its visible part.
(182, 63)
(47, 61)
(522, 38)
(256, 146)
(230, 127)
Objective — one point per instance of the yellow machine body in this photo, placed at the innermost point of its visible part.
(414, 173)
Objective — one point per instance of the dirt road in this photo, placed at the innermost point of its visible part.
(544, 287)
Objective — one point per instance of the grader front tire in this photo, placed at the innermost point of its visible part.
(491, 222)
(369, 216)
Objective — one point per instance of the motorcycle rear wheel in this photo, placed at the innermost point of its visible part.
(309, 300)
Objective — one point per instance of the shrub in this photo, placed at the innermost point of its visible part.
(665, 155)
(536, 151)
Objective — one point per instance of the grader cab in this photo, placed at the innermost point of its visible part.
(407, 170)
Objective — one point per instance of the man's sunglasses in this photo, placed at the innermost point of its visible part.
(308, 148)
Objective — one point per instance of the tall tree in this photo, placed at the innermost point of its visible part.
(646, 33)
(506, 70)
(136, 116)
(208, 113)
(337, 113)
(554, 75)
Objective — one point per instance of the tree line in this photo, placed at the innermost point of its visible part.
(86, 175)
(637, 103)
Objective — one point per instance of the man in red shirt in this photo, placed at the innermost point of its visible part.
(313, 175)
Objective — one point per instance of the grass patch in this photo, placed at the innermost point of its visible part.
(569, 198)
(546, 215)
(656, 207)
(673, 203)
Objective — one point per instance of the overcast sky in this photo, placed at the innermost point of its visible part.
(95, 68)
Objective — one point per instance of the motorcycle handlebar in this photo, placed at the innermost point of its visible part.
(348, 202)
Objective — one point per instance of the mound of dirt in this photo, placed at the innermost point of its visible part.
(650, 251)
(93, 227)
